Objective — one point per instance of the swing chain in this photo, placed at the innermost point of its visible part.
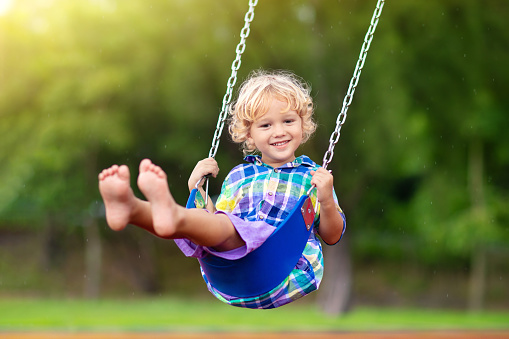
(244, 33)
(241, 47)
(334, 138)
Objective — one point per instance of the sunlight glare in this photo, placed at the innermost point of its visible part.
(5, 5)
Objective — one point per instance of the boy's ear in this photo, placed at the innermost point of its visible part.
(249, 140)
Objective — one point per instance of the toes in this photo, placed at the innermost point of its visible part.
(145, 165)
(112, 170)
(105, 173)
(123, 172)
(157, 171)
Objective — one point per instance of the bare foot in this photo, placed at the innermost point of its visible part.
(153, 183)
(117, 195)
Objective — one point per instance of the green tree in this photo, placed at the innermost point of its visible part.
(421, 164)
(89, 84)
(456, 78)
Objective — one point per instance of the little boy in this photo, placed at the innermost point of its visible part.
(273, 115)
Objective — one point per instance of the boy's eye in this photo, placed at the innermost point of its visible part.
(264, 125)
(289, 121)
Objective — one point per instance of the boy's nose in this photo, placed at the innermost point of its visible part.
(279, 130)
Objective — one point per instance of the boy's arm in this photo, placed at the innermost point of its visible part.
(331, 223)
(331, 220)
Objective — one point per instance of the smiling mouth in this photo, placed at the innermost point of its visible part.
(282, 143)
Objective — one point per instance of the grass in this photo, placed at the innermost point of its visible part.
(173, 314)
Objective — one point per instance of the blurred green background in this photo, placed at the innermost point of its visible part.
(421, 168)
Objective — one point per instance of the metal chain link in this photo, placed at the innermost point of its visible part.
(241, 47)
(334, 138)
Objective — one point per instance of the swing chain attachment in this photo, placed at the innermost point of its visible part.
(244, 33)
(334, 138)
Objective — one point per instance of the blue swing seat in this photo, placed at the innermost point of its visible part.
(267, 266)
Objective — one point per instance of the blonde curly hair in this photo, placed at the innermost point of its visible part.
(255, 97)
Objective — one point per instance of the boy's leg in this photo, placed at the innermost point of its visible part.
(171, 220)
(122, 207)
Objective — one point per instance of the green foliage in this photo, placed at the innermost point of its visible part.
(87, 84)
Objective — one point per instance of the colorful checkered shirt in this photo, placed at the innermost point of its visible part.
(255, 191)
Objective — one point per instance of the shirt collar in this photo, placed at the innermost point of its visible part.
(303, 160)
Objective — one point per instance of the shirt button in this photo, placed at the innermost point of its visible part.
(261, 217)
(276, 170)
(270, 194)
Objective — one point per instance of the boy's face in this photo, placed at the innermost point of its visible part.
(277, 135)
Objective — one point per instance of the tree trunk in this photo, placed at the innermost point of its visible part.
(93, 259)
(478, 208)
(477, 280)
(93, 244)
(51, 249)
(335, 293)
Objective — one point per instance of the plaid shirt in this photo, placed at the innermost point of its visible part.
(258, 192)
